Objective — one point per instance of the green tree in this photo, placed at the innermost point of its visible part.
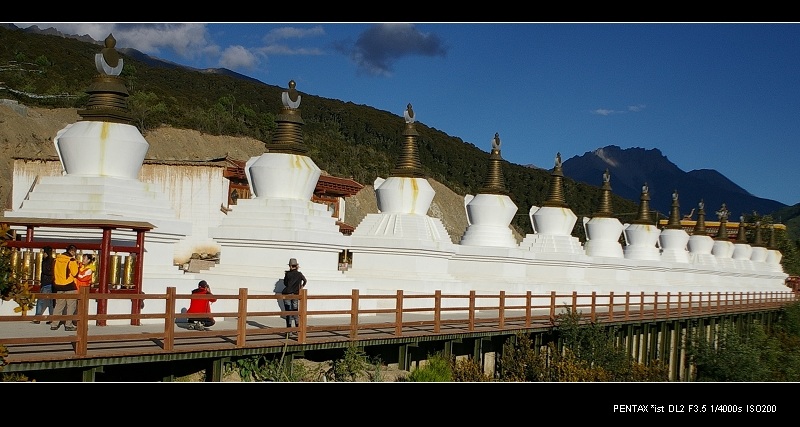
(147, 110)
(438, 368)
(734, 355)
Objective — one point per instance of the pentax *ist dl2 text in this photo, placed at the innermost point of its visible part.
(695, 408)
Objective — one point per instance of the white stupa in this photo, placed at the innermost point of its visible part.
(641, 236)
(101, 156)
(490, 212)
(488, 254)
(742, 250)
(401, 246)
(554, 222)
(723, 247)
(603, 231)
(673, 238)
(260, 234)
(700, 244)
(760, 252)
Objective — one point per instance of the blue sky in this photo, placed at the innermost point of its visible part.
(722, 96)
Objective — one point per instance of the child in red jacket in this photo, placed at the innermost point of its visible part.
(201, 306)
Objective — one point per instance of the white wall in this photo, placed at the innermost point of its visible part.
(196, 193)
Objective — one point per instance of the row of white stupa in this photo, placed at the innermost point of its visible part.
(401, 247)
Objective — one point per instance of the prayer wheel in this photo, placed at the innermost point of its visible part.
(27, 268)
(127, 274)
(95, 269)
(113, 270)
(38, 264)
(15, 263)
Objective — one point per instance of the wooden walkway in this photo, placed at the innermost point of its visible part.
(166, 333)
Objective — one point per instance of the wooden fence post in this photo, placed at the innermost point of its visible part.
(398, 313)
(471, 311)
(83, 321)
(501, 310)
(241, 319)
(528, 297)
(354, 315)
(169, 319)
(437, 311)
(611, 306)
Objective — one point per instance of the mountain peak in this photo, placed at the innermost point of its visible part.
(631, 167)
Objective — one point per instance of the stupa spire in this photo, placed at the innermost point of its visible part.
(108, 96)
(555, 198)
(288, 134)
(495, 183)
(644, 207)
(605, 197)
(772, 244)
(741, 236)
(700, 225)
(674, 222)
(758, 242)
(408, 164)
(722, 214)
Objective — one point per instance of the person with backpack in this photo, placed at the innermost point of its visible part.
(293, 281)
(64, 272)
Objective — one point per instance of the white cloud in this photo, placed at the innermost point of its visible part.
(235, 57)
(279, 49)
(608, 112)
(187, 40)
(603, 112)
(293, 33)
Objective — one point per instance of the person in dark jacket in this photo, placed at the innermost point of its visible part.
(201, 306)
(46, 280)
(64, 272)
(293, 281)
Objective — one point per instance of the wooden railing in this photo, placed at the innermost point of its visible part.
(362, 317)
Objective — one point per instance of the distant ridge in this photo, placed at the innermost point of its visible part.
(133, 53)
(633, 167)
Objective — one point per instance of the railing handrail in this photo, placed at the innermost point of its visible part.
(528, 310)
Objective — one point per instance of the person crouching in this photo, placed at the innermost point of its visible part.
(201, 306)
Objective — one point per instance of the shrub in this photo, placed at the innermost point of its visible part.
(438, 368)
(351, 366)
(469, 370)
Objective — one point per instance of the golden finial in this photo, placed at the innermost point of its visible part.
(409, 114)
(722, 214)
(291, 98)
(555, 198)
(495, 183)
(700, 225)
(408, 164)
(108, 96)
(605, 197)
(288, 134)
(741, 236)
(674, 222)
(110, 55)
(643, 216)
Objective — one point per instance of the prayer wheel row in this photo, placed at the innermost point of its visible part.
(26, 266)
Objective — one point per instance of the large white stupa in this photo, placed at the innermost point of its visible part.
(101, 156)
